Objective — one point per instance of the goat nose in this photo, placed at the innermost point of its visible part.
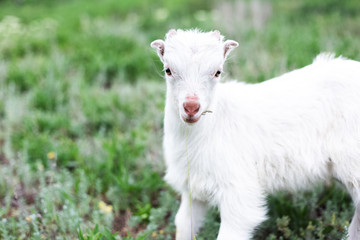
(191, 108)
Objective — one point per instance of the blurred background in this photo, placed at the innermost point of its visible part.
(81, 109)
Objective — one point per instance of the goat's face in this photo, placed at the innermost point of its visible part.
(193, 62)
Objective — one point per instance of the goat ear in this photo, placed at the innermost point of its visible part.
(216, 34)
(159, 45)
(229, 45)
(171, 33)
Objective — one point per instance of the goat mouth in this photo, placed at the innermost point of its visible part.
(191, 119)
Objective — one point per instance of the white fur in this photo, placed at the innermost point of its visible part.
(286, 133)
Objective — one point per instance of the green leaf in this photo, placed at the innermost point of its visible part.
(328, 229)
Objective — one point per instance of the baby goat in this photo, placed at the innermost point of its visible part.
(286, 133)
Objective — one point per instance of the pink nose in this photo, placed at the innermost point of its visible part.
(191, 107)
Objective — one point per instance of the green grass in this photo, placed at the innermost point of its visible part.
(81, 109)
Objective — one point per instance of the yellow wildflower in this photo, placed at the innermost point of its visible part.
(104, 207)
(161, 231)
(101, 204)
(28, 219)
(154, 234)
(310, 226)
(333, 217)
(51, 155)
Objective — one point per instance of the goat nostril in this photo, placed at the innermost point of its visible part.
(191, 108)
(197, 110)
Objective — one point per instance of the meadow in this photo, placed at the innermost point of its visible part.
(81, 108)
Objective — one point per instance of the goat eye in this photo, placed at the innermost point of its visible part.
(168, 71)
(217, 74)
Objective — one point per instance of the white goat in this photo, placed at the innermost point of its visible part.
(285, 133)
